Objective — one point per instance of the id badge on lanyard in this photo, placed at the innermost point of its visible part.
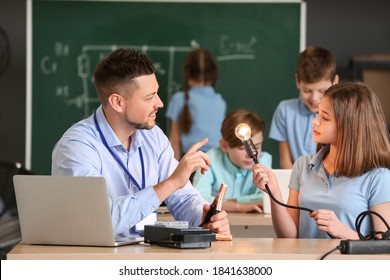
(151, 219)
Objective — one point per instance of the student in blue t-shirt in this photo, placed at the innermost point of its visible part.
(349, 174)
(231, 165)
(196, 112)
(291, 122)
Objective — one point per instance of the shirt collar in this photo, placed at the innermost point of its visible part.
(206, 90)
(303, 110)
(109, 134)
(316, 162)
(229, 165)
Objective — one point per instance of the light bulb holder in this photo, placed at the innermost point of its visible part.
(250, 149)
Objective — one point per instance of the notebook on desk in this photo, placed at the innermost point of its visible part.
(65, 210)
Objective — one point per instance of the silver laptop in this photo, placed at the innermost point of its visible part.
(65, 210)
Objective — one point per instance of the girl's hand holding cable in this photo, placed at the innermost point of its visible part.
(262, 176)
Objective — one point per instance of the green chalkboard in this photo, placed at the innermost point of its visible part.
(256, 45)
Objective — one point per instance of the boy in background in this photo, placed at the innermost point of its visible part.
(292, 120)
(232, 165)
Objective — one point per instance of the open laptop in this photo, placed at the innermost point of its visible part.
(283, 177)
(65, 210)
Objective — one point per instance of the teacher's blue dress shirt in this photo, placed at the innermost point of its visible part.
(81, 152)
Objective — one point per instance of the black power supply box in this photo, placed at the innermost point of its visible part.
(365, 246)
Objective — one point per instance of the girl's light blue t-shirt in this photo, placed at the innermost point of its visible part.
(208, 110)
(347, 197)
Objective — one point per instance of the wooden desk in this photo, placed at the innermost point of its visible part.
(238, 249)
(236, 219)
(243, 225)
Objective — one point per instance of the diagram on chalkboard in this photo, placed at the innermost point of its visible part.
(90, 55)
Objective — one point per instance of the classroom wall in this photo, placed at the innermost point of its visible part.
(13, 81)
(348, 28)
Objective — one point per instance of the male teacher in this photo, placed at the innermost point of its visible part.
(122, 143)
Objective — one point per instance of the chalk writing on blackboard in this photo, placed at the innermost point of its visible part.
(87, 101)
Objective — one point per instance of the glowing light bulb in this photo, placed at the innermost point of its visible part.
(243, 131)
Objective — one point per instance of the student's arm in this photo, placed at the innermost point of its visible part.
(330, 223)
(327, 221)
(246, 203)
(232, 205)
(285, 157)
(256, 196)
(286, 226)
(380, 195)
(382, 209)
(279, 132)
(285, 221)
(174, 138)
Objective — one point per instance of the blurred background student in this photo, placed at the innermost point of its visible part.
(196, 112)
(231, 165)
(291, 122)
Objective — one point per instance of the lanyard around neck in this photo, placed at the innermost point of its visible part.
(118, 159)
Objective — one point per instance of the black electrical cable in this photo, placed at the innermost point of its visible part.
(291, 206)
(373, 234)
(338, 247)
(255, 160)
(285, 205)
